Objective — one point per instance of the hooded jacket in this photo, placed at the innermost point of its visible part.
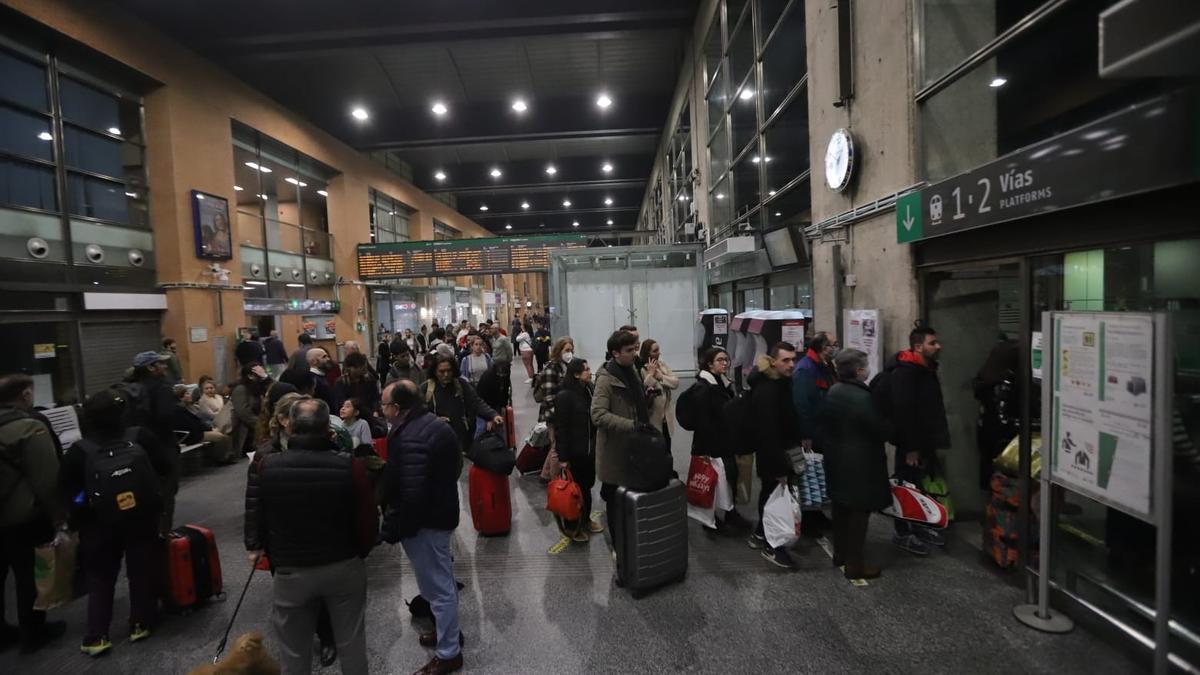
(775, 422)
(918, 411)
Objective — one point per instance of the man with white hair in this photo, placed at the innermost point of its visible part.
(318, 365)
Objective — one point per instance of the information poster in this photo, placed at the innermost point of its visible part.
(1103, 407)
(1035, 351)
(720, 324)
(793, 331)
(862, 332)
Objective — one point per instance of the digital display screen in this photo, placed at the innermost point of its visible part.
(780, 248)
(462, 256)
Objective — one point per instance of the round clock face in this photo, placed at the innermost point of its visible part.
(839, 160)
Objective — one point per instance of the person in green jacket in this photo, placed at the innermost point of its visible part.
(851, 433)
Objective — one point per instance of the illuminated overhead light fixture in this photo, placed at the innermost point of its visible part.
(609, 221)
(508, 227)
(756, 159)
(294, 285)
(483, 207)
(45, 136)
(439, 109)
(440, 175)
(114, 131)
(771, 193)
(778, 214)
(608, 201)
(134, 195)
(746, 94)
(239, 188)
(575, 223)
(261, 196)
(551, 170)
(541, 224)
(252, 282)
(720, 196)
(256, 167)
(525, 205)
(683, 198)
(603, 100)
(295, 181)
(997, 82)
(607, 168)
(495, 172)
(323, 193)
(519, 105)
(566, 203)
(359, 114)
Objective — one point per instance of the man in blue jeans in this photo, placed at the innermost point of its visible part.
(421, 486)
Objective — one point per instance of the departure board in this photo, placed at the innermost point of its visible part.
(455, 257)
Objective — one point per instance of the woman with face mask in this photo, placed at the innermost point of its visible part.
(551, 376)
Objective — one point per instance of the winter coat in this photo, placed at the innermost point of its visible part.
(775, 424)
(495, 390)
(28, 470)
(548, 382)
(615, 416)
(460, 403)
(421, 477)
(711, 437)
(851, 434)
(574, 433)
(811, 380)
(249, 351)
(665, 384)
(918, 411)
(275, 353)
(411, 373)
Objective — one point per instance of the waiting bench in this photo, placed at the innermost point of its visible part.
(65, 423)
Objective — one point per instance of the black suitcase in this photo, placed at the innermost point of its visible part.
(651, 540)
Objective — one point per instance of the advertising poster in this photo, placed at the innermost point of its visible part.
(720, 324)
(1103, 408)
(793, 332)
(862, 332)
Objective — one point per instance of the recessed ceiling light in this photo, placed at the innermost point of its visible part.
(519, 105)
(483, 207)
(756, 159)
(603, 100)
(778, 214)
(508, 227)
(495, 172)
(440, 175)
(566, 203)
(239, 188)
(608, 201)
(575, 223)
(541, 224)
(323, 193)
(294, 181)
(294, 285)
(746, 94)
(525, 205)
(359, 114)
(997, 82)
(551, 170)
(609, 221)
(439, 108)
(263, 197)
(391, 213)
(264, 169)
(607, 168)
(114, 131)
(767, 160)
(683, 198)
(45, 136)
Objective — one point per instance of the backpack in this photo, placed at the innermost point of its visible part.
(11, 467)
(137, 408)
(739, 416)
(119, 480)
(881, 397)
(687, 411)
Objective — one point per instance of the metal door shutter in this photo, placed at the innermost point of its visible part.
(109, 348)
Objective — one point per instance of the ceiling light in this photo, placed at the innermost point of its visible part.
(608, 201)
(771, 193)
(746, 94)
(252, 282)
(720, 196)
(294, 181)
(508, 227)
(541, 224)
(239, 188)
(551, 170)
(359, 114)
(294, 285)
(265, 169)
(756, 159)
(134, 195)
(997, 82)
(439, 108)
(483, 207)
(252, 165)
(440, 175)
(609, 221)
(566, 203)
(519, 105)
(575, 223)
(495, 172)
(778, 214)
(45, 136)
(323, 193)
(683, 198)
(525, 205)
(767, 160)
(607, 168)
(262, 197)
(391, 213)
(114, 131)
(603, 100)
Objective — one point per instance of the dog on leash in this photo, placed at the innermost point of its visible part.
(248, 657)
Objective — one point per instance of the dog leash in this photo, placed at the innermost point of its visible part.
(225, 638)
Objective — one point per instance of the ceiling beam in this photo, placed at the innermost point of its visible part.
(547, 187)
(586, 135)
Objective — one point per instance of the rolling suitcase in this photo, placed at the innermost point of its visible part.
(193, 567)
(651, 538)
(491, 504)
(510, 427)
(531, 459)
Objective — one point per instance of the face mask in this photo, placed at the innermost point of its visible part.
(567, 356)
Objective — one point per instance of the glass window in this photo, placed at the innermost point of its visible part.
(741, 51)
(733, 12)
(746, 191)
(24, 184)
(88, 107)
(92, 152)
(769, 11)
(787, 144)
(744, 115)
(793, 207)
(951, 30)
(783, 297)
(22, 133)
(721, 205)
(22, 82)
(96, 198)
(712, 49)
(718, 153)
(717, 101)
(784, 59)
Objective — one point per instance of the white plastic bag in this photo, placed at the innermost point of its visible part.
(781, 518)
(722, 500)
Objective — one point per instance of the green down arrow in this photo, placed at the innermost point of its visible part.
(909, 223)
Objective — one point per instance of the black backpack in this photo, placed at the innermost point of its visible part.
(687, 411)
(739, 417)
(119, 480)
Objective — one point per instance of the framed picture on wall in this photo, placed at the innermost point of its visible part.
(210, 221)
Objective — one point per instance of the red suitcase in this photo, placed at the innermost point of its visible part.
(491, 504)
(531, 459)
(193, 567)
(380, 445)
(510, 427)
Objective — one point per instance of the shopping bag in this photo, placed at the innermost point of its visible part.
(702, 483)
(811, 486)
(723, 500)
(745, 481)
(539, 435)
(781, 518)
(564, 497)
(54, 571)
(937, 488)
(722, 494)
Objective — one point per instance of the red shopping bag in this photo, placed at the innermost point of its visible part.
(564, 498)
(381, 447)
(702, 483)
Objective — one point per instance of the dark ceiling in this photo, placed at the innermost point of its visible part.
(397, 59)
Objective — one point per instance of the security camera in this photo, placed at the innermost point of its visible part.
(255, 270)
(313, 275)
(296, 274)
(136, 257)
(277, 272)
(37, 247)
(94, 253)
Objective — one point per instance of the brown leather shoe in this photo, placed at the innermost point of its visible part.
(864, 572)
(429, 639)
(437, 666)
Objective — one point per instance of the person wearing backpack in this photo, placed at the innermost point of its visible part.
(29, 508)
(456, 402)
(909, 394)
(150, 403)
(112, 478)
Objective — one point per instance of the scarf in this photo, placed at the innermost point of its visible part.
(633, 389)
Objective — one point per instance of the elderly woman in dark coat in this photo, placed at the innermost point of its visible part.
(852, 434)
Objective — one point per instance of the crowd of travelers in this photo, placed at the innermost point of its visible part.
(353, 454)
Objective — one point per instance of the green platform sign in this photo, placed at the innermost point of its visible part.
(909, 224)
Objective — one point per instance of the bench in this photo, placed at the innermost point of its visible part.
(65, 423)
(182, 436)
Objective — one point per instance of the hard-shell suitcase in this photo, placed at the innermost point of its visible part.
(491, 503)
(510, 427)
(651, 538)
(193, 567)
(531, 459)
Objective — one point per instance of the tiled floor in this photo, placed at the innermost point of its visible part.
(525, 610)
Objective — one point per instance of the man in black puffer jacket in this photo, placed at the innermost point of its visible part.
(316, 519)
(421, 482)
(777, 429)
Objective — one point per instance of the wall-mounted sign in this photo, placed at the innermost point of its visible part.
(495, 255)
(198, 334)
(290, 306)
(862, 332)
(1138, 149)
(210, 224)
(43, 350)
